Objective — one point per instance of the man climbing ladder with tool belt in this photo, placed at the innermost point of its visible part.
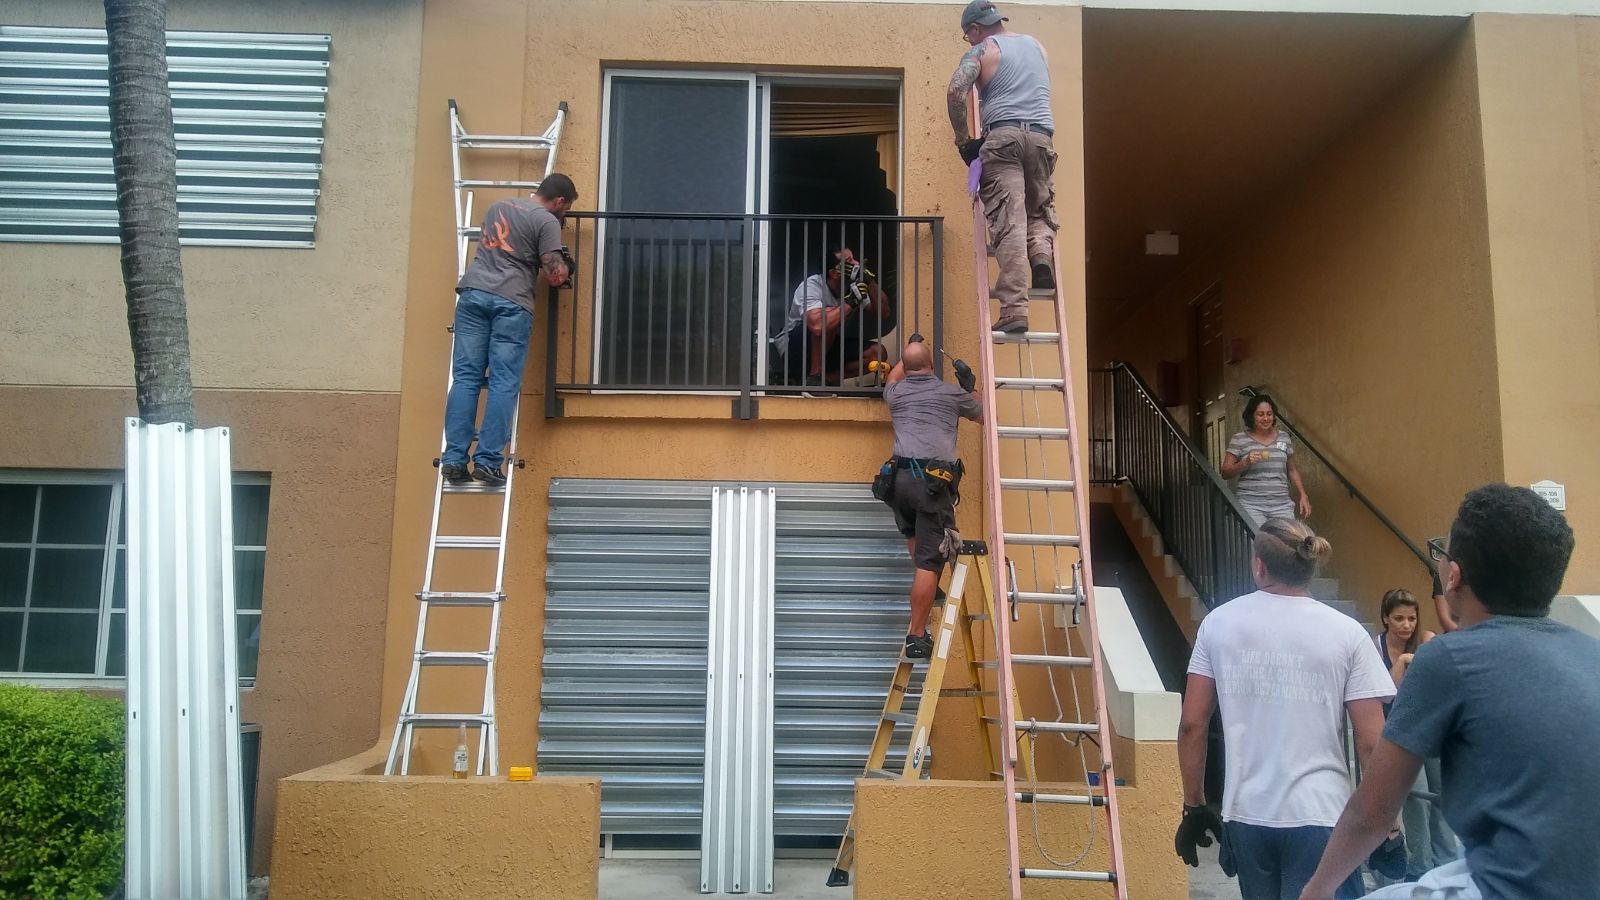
(921, 480)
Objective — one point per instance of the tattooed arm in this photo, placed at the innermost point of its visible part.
(555, 268)
(961, 83)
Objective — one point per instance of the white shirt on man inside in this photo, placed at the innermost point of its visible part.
(1284, 668)
(812, 294)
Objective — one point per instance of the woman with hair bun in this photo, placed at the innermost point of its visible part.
(1285, 669)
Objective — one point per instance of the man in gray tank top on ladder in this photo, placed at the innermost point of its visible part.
(1013, 79)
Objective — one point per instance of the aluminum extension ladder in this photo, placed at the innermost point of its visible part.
(1034, 500)
(479, 545)
(958, 613)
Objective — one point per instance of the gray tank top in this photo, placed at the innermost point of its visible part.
(1020, 88)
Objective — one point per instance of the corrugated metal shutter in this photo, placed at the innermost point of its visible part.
(625, 655)
(248, 110)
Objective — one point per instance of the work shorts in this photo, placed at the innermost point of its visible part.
(923, 518)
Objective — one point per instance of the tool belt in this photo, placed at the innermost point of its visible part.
(941, 476)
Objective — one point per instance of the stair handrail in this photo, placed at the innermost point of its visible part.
(1250, 391)
(1187, 442)
(1160, 461)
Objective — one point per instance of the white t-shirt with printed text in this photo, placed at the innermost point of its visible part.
(1284, 668)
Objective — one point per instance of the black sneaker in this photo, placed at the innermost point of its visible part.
(455, 473)
(1043, 278)
(490, 476)
(920, 646)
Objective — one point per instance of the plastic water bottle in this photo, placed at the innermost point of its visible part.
(458, 765)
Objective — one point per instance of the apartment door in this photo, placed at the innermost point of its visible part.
(1211, 406)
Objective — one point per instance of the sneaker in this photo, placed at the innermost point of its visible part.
(1011, 325)
(490, 476)
(455, 473)
(1043, 278)
(919, 646)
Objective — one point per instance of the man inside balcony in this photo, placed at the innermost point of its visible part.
(1510, 703)
(925, 411)
(833, 323)
(1013, 80)
(521, 240)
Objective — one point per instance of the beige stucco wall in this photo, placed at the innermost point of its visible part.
(346, 833)
(328, 318)
(323, 607)
(955, 847)
(1539, 87)
(1361, 289)
(669, 437)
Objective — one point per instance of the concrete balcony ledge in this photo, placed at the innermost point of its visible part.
(345, 831)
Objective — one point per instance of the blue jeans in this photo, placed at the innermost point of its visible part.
(1276, 863)
(491, 334)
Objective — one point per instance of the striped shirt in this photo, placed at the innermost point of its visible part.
(1263, 486)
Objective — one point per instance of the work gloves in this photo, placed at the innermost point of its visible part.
(969, 150)
(964, 376)
(1197, 820)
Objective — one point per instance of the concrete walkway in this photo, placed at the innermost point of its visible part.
(802, 879)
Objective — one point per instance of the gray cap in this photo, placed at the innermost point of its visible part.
(981, 12)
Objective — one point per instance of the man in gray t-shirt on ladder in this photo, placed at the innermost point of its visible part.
(521, 240)
(1013, 80)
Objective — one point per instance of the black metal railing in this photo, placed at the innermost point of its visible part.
(739, 304)
(1249, 391)
(1133, 438)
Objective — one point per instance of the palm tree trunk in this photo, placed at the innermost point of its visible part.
(145, 157)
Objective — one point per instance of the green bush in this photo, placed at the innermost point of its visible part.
(61, 793)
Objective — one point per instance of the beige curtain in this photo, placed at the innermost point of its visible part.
(823, 119)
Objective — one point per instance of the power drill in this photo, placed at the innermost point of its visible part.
(964, 374)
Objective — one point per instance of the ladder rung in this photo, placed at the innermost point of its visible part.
(491, 182)
(1041, 540)
(1069, 799)
(1043, 434)
(468, 541)
(1033, 294)
(881, 773)
(444, 720)
(1046, 597)
(1069, 875)
(977, 617)
(454, 658)
(1051, 727)
(472, 487)
(1029, 337)
(1036, 484)
(1014, 383)
(1058, 727)
(462, 598)
(965, 692)
(503, 142)
(900, 718)
(1035, 659)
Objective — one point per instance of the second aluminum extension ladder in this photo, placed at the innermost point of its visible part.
(1035, 503)
(484, 591)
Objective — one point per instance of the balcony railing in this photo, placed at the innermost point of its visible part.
(679, 303)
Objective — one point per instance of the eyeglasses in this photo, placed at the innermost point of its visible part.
(1436, 549)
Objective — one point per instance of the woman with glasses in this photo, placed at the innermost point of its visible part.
(1262, 459)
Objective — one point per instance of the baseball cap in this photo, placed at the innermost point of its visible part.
(981, 12)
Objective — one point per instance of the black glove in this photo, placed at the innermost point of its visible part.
(572, 266)
(1389, 858)
(964, 376)
(1438, 586)
(1197, 820)
(969, 150)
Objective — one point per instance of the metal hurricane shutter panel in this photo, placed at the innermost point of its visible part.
(248, 111)
(625, 627)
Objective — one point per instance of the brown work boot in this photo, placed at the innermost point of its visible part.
(1011, 325)
(1043, 278)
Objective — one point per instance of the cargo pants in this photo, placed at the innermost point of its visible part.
(1020, 201)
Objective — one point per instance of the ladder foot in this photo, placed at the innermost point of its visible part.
(838, 878)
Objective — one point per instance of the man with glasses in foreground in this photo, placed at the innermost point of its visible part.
(1511, 704)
